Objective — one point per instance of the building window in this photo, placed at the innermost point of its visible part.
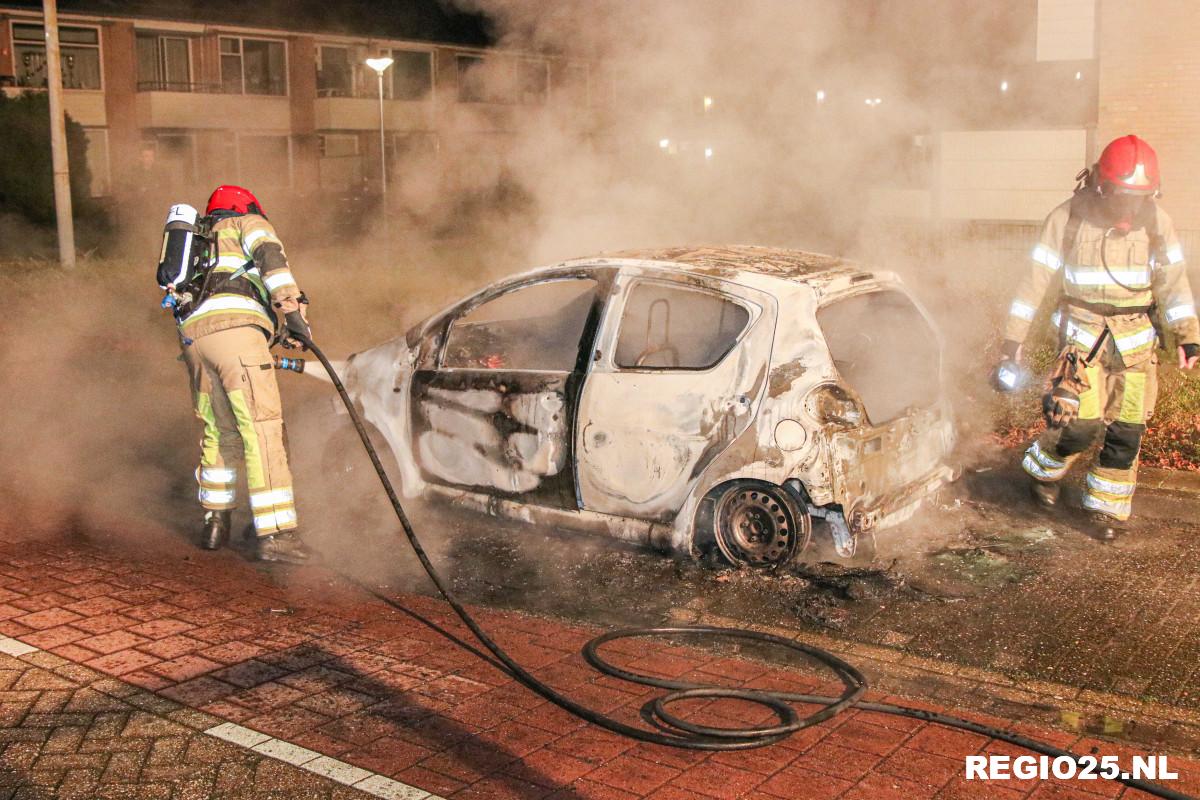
(80, 56)
(470, 79)
(163, 63)
(176, 158)
(335, 73)
(572, 84)
(265, 160)
(253, 66)
(97, 161)
(489, 80)
(340, 165)
(339, 145)
(412, 74)
(533, 80)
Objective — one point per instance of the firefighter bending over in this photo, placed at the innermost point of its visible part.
(228, 281)
(1112, 261)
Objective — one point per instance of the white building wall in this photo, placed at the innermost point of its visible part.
(1066, 30)
(1007, 175)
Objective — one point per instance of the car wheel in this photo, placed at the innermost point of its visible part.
(757, 524)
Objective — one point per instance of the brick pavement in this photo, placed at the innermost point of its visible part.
(144, 648)
(67, 732)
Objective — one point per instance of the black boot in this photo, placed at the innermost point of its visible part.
(1044, 494)
(216, 530)
(284, 547)
(1105, 528)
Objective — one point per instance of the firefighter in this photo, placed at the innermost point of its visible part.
(226, 331)
(1111, 260)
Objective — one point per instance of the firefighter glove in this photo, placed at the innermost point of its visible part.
(1060, 403)
(298, 331)
(1188, 354)
(1060, 407)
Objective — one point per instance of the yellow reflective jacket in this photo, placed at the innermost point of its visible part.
(243, 283)
(1143, 270)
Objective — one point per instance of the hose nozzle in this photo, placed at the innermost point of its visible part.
(293, 364)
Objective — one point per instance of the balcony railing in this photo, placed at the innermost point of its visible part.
(179, 86)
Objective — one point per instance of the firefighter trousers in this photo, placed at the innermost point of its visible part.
(1119, 400)
(236, 397)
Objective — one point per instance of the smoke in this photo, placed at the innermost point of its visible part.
(698, 121)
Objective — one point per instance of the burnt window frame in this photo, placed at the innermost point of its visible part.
(444, 328)
(934, 333)
(753, 312)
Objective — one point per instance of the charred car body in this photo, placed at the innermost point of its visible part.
(692, 400)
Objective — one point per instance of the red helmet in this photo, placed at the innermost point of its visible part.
(233, 198)
(1129, 166)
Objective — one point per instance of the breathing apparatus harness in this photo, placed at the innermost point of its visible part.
(186, 274)
(671, 729)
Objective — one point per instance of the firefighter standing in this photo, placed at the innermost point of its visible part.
(226, 329)
(1112, 258)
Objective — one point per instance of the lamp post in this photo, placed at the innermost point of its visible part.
(380, 66)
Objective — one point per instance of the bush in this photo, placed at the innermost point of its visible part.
(26, 169)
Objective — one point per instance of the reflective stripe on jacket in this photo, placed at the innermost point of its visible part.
(241, 288)
(1079, 274)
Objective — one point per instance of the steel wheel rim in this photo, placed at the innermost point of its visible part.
(754, 526)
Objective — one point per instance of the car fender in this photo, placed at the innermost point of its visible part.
(379, 382)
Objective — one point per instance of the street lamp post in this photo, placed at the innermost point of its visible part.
(380, 66)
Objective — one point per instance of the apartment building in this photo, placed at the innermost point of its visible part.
(1088, 71)
(184, 104)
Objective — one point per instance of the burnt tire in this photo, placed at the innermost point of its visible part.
(753, 524)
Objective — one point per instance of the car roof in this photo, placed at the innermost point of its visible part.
(727, 260)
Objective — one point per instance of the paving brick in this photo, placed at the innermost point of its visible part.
(549, 768)
(183, 668)
(584, 789)
(859, 735)
(592, 745)
(921, 767)
(287, 722)
(888, 787)
(160, 628)
(122, 662)
(95, 606)
(947, 741)
(112, 642)
(49, 618)
(233, 652)
(50, 638)
(39, 680)
(105, 623)
(633, 774)
(170, 647)
(75, 653)
(798, 783)
(249, 673)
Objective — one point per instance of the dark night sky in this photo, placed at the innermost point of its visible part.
(428, 20)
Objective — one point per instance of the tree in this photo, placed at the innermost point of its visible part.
(26, 171)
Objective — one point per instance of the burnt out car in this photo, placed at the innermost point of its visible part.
(694, 400)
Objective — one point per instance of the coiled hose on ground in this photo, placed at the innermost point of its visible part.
(673, 730)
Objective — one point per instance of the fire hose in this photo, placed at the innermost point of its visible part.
(673, 730)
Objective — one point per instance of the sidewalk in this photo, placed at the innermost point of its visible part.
(161, 671)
